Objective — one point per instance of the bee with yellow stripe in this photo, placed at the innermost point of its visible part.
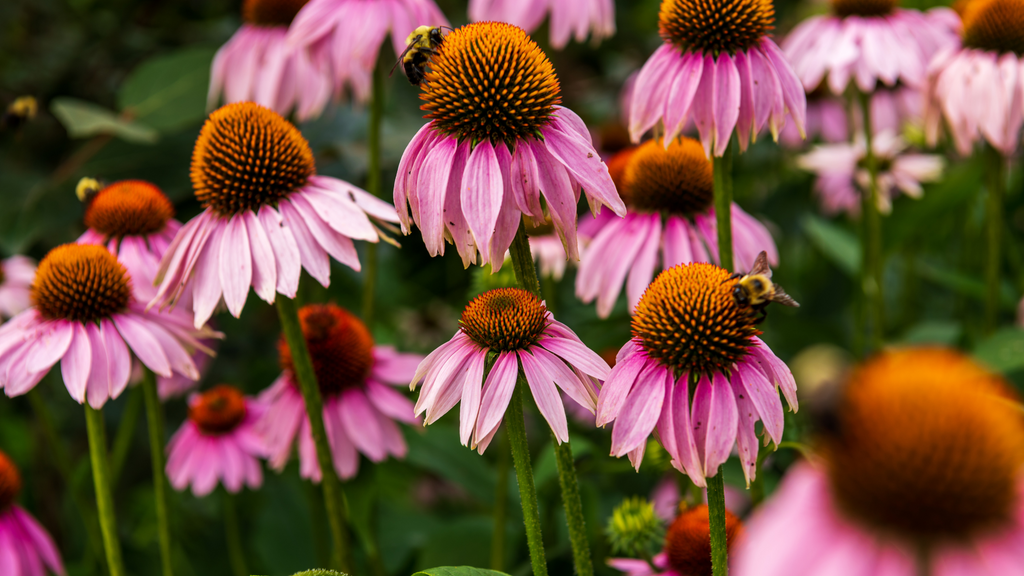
(756, 290)
(419, 46)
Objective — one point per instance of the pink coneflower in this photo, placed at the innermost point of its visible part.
(518, 327)
(349, 34)
(689, 332)
(666, 498)
(569, 18)
(870, 42)
(669, 193)
(135, 221)
(921, 473)
(976, 89)
(265, 218)
(218, 442)
(16, 274)
(360, 409)
(258, 65)
(843, 176)
(26, 549)
(717, 66)
(549, 254)
(83, 314)
(687, 550)
(481, 163)
(891, 110)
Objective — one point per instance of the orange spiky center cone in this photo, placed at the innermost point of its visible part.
(80, 282)
(271, 13)
(994, 25)
(715, 26)
(128, 208)
(504, 319)
(677, 180)
(219, 410)
(688, 540)
(10, 482)
(339, 344)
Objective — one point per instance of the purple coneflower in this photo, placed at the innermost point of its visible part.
(26, 549)
(218, 442)
(569, 18)
(870, 42)
(481, 163)
(690, 334)
(349, 34)
(921, 473)
(84, 315)
(687, 550)
(16, 274)
(843, 177)
(359, 408)
(267, 216)
(717, 66)
(977, 88)
(258, 65)
(515, 325)
(669, 194)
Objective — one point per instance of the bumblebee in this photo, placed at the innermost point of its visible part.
(87, 189)
(23, 109)
(756, 289)
(420, 44)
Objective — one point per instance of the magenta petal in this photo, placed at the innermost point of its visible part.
(286, 251)
(676, 243)
(119, 363)
(471, 394)
(526, 181)
(498, 389)
(98, 387)
(767, 94)
(431, 190)
(745, 129)
(619, 384)
(727, 101)
(649, 92)
(545, 394)
(714, 421)
(360, 424)
(508, 219)
(235, 265)
(49, 347)
(680, 95)
(206, 285)
(704, 104)
(687, 456)
(311, 254)
(558, 191)
(792, 91)
(578, 355)
(764, 396)
(454, 215)
(143, 343)
(264, 266)
(584, 164)
(746, 438)
(642, 271)
(640, 412)
(575, 384)
(77, 363)
(482, 190)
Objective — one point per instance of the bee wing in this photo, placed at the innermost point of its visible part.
(761, 265)
(402, 55)
(781, 297)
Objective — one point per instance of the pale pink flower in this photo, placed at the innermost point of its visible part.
(723, 78)
(84, 315)
(515, 324)
(892, 109)
(920, 472)
(569, 18)
(217, 443)
(26, 549)
(976, 90)
(826, 120)
(360, 409)
(870, 49)
(843, 176)
(261, 225)
(549, 254)
(257, 64)
(16, 274)
(349, 35)
(469, 182)
(666, 500)
(669, 193)
(688, 333)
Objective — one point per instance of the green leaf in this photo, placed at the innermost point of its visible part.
(319, 572)
(84, 119)
(458, 571)
(934, 332)
(168, 92)
(439, 451)
(835, 242)
(1003, 351)
(966, 284)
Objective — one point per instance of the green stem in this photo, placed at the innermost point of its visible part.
(871, 264)
(522, 262)
(723, 207)
(306, 377)
(994, 235)
(515, 425)
(97, 433)
(125, 434)
(233, 534)
(716, 517)
(373, 180)
(500, 505)
(573, 509)
(155, 419)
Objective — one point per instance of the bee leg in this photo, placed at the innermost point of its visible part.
(732, 276)
(762, 313)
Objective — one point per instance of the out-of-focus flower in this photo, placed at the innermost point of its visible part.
(717, 66)
(265, 219)
(870, 42)
(360, 409)
(634, 527)
(135, 221)
(348, 34)
(548, 252)
(687, 546)
(517, 326)
(669, 193)
(892, 109)
(218, 442)
(258, 65)
(569, 18)
(843, 175)
(16, 274)
(481, 163)
(977, 89)
(921, 473)
(667, 500)
(689, 332)
(83, 314)
(26, 549)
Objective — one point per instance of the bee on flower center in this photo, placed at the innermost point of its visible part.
(419, 47)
